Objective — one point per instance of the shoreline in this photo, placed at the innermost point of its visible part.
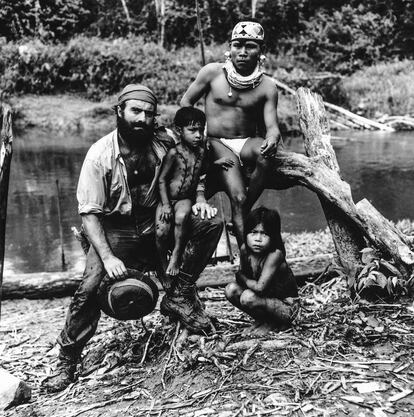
(64, 113)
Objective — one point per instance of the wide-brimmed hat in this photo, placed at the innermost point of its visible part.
(129, 299)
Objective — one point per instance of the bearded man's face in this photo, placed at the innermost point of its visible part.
(136, 122)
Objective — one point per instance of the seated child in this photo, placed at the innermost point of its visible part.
(265, 287)
(178, 185)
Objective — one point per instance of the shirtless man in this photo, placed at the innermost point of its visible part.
(240, 105)
(179, 177)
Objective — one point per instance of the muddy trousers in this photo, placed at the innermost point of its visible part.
(137, 252)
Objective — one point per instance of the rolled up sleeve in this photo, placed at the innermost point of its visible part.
(91, 188)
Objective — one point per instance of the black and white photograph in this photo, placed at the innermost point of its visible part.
(206, 208)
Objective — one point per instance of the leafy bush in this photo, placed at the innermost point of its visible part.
(98, 67)
(375, 277)
(382, 88)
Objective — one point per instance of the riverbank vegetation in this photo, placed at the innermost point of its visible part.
(382, 88)
(94, 48)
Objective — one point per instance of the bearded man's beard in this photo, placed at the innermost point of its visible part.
(137, 138)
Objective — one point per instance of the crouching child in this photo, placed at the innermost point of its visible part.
(265, 287)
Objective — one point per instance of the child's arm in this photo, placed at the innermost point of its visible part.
(270, 268)
(167, 166)
(244, 271)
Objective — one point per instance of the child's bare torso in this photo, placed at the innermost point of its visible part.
(283, 283)
(186, 172)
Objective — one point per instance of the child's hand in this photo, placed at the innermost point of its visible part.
(166, 213)
(224, 163)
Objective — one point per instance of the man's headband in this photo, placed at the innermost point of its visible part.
(137, 92)
(249, 31)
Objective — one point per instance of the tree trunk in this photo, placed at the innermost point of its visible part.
(313, 121)
(200, 33)
(127, 15)
(6, 150)
(160, 12)
(385, 236)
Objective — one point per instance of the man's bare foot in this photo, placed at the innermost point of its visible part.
(172, 268)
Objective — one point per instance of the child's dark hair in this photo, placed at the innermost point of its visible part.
(187, 116)
(270, 220)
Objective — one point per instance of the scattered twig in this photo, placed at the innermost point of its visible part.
(95, 406)
(263, 344)
(241, 408)
(177, 330)
(400, 395)
(249, 353)
(144, 355)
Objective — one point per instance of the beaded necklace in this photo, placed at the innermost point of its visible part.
(240, 82)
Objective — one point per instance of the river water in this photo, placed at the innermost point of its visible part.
(378, 166)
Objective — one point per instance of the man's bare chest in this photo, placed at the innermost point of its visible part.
(140, 167)
(222, 94)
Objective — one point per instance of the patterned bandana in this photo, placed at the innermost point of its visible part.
(248, 30)
(137, 92)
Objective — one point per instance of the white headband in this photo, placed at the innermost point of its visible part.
(248, 30)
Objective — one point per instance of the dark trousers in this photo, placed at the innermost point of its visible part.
(136, 251)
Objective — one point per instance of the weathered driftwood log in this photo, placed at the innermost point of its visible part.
(63, 284)
(6, 138)
(353, 118)
(384, 235)
(316, 176)
(313, 122)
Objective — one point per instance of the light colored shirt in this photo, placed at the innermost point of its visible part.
(103, 185)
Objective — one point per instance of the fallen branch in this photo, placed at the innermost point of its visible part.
(144, 355)
(62, 284)
(263, 344)
(177, 330)
(355, 118)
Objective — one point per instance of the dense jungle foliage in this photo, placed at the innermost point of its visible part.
(94, 47)
(340, 35)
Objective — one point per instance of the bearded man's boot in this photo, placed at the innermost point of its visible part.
(64, 373)
(183, 304)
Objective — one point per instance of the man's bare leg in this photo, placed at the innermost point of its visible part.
(162, 233)
(182, 210)
(251, 155)
(233, 185)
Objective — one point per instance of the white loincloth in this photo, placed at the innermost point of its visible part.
(235, 145)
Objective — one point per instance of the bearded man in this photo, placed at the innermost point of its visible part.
(242, 126)
(118, 196)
